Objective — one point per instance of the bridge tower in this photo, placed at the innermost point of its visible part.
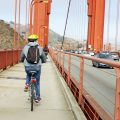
(39, 19)
(96, 11)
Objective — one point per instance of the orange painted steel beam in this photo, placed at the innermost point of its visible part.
(35, 22)
(34, 15)
(40, 24)
(63, 56)
(69, 66)
(96, 10)
(117, 100)
(81, 81)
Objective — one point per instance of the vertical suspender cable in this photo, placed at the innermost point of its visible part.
(82, 23)
(19, 25)
(85, 28)
(29, 14)
(66, 23)
(108, 25)
(84, 13)
(78, 23)
(15, 24)
(117, 22)
(26, 19)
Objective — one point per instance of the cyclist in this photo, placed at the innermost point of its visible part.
(31, 55)
(46, 50)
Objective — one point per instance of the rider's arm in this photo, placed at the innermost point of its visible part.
(22, 57)
(42, 55)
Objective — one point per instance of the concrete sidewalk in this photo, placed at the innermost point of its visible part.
(14, 103)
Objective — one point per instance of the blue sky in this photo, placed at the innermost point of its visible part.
(77, 23)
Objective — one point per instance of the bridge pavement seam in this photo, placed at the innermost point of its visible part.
(73, 105)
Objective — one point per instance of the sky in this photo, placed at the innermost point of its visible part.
(77, 22)
(7, 10)
(58, 15)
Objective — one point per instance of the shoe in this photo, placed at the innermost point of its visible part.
(26, 88)
(37, 100)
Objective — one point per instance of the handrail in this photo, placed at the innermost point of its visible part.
(9, 58)
(84, 99)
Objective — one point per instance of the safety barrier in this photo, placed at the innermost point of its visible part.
(9, 58)
(81, 86)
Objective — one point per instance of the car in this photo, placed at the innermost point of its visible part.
(76, 51)
(106, 56)
(79, 52)
(115, 56)
(91, 53)
(86, 53)
(72, 51)
(67, 51)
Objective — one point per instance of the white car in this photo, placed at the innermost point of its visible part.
(91, 53)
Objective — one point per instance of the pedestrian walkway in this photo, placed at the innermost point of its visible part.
(14, 103)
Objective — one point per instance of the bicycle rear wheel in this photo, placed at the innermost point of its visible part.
(32, 96)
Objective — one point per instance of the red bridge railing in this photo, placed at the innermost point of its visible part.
(9, 58)
(92, 109)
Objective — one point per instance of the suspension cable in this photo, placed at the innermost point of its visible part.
(66, 23)
(83, 23)
(108, 25)
(117, 22)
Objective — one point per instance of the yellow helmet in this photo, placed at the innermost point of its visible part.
(33, 37)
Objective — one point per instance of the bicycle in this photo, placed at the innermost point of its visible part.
(32, 88)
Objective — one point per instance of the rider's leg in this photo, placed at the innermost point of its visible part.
(37, 76)
(28, 76)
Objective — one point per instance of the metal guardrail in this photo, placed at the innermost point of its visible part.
(9, 58)
(91, 108)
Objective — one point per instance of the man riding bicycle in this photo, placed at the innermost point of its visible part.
(46, 50)
(33, 56)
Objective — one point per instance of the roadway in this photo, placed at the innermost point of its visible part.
(100, 83)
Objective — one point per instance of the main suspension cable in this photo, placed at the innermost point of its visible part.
(66, 23)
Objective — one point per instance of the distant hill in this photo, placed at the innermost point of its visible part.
(55, 40)
(7, 36)
(54, 37)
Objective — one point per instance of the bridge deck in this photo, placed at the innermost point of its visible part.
(14, 103)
